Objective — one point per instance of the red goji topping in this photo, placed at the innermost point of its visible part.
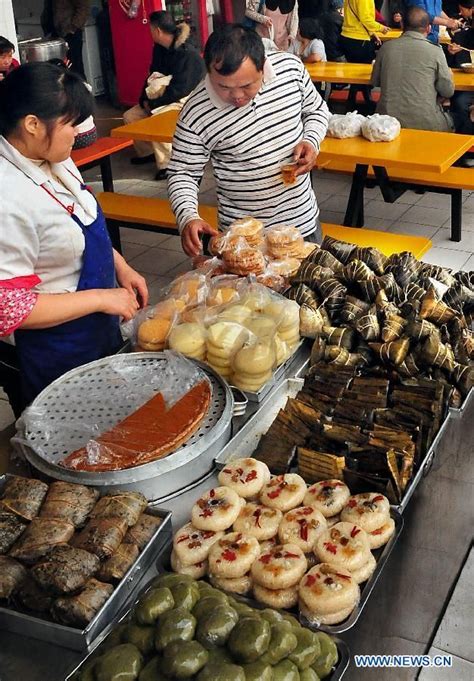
(183, 538)
(266, 558)
(229, 555)
(212, 493)
(251, 476)
(332, 548)
(290, 555)
(338, 574)
(239, 471)
(355, 531)
(310, 580)
(303, 529)
(208, 534)
(379, 531)
(351, 503)
(273, 495)
(227, 470)
(378, 498)
(206, 513)
(307, 510)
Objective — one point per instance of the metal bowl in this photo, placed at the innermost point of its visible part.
(42, 49)
(468, 67)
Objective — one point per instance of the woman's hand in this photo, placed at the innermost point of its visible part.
(118, 301)
(131, 280)
(268, 22)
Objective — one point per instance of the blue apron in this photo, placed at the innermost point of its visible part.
(46, 354)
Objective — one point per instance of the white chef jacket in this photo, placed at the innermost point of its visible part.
(37, 235)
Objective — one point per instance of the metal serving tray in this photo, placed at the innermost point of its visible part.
(457, 413)
(85, 639)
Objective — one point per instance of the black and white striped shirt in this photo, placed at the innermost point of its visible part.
(247, 147)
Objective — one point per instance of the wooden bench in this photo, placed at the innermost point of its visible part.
(98, 154)
(451, 182)
(155, 215)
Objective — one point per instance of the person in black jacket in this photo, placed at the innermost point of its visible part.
(330, 20)
(172, 56)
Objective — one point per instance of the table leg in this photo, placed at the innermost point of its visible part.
(391, 191)
(106, 172)
(456, 214)
(354, 216)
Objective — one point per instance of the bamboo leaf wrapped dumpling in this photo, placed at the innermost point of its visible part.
(23, 496)
(11, 527)
(65, 569)
(12, 574)
(119, 563)
(126, 505)
(79, 610)
(41, 535)
(101, 536)
(69, 501)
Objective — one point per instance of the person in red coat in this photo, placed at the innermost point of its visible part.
(7, 62)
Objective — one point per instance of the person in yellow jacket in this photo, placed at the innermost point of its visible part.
(359, 38)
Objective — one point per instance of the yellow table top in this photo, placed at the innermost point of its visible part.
(397, 32)
(360, 74)
(416, 149)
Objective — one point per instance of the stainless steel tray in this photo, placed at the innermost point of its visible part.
(293, 365)
(336, 674)
(457, 413)
(85, 639)
(156, 479)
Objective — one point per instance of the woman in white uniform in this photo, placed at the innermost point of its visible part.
(63, 289)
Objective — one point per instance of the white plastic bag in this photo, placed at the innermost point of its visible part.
(380, 128)
(156, 84)
(345, 125)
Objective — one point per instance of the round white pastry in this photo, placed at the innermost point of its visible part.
(191, 545)
(344, 545)
(284, 492)
(235, 313)
(369, 510)
(325, 590)
(301, 526)
(365, 571)
(279, 568)
(236, 585)
(269, 544)
(195, 571)
(216, 510)
(244, 476)
(329, 496)
(232, 555)
(188, 338)
(225, 338)
(317, 619)
(258, 521)
(250, 383)
(380, 536)
(276, 598)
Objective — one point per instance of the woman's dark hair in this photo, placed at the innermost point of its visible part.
(164, 21)
(310, 29)
(285, 6)
(5, 45)
(229, 46)
(468, 4)
(49, 92)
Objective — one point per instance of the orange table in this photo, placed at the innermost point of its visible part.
(158, 128)
(397, 32)
(361, 74)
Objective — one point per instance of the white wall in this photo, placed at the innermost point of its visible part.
(7, 22)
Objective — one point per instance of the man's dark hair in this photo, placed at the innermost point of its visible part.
(415, 19)
(468, 4)
(310, 29)
(6, 45)
(229, 46)
(164, 21)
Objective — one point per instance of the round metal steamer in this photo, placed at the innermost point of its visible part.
(68, 400)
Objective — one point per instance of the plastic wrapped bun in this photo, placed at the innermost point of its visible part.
(243, 259)
(346, 125)
(190, 339)
(191, 287)
(282, 350)
(249, 228)
(380, 128)
(152, 334)
(272, 280)
(253, 365)
(284, 241)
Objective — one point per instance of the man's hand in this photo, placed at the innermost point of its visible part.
(454, 48)
(268, 22)
(452, 24)
(305, 156)
(190, 236)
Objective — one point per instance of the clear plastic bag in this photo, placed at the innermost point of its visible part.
(346, 125)
(243, 259)
(284, 241)
(380, 128)
(253, 364)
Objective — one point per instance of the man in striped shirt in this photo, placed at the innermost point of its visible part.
(249, 116)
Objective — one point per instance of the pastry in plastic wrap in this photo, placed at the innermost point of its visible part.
(261, 325)
(222, 295)
(286, 267)
(235, 313)
(101, 536)
(11, 527)
(250, 229)
(151, 432)
(191, 287)
(69, 501)
(144, 529)
(128, 505)
(12, 574)
(79, 610)
(190, 339)
(119, 563)
(224, 339)
(23, 496)
(253, 365)
(41, 535)
(65, 570)
(243, 259)
(152, 334)
(284, 241)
